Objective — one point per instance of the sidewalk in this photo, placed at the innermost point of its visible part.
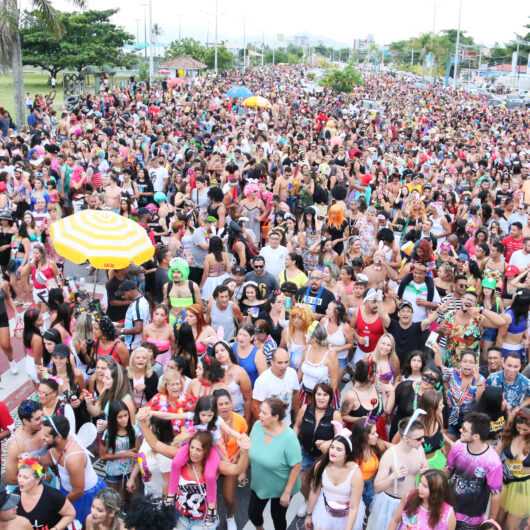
(15, 388)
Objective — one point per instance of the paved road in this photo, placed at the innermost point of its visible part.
(15, 388)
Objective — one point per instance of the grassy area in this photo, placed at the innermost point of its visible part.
(34, 83)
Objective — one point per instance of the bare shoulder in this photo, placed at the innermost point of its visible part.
(20, 523)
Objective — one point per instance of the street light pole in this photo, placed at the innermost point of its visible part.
(145, 32)
(151, 59)
(457, 45)
(244, 45)
(216, 36)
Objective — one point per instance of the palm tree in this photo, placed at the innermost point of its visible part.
(11, 46)
(157, 32)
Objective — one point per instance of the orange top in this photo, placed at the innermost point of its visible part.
(369, 467)
(239, 425)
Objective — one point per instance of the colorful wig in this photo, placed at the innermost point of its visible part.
(336, 216)
(178, 265)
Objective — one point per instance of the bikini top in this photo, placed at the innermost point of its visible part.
(161, 344)
(510, 456)
(516, 327)
(434, 442)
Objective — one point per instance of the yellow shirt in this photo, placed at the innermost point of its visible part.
(300, 279)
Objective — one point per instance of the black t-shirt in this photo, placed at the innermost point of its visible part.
(144, 186)
(46, 512)
(158, 281)
(115, 313)
(405, 404)
(318, 301)
(407, 340)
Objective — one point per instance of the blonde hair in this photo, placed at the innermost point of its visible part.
(393, 359)
(170, 373)
(304, 313)
(148, 365)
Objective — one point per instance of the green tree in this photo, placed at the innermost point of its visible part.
(10, 42)
(200, 52)
(225, 59)
(186, 46)
(87, 38)
(440, 45)
(342, 80)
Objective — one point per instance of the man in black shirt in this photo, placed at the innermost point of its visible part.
(315, 295)
(267, 283)
(117, 306)
(155, 281)
(408, 335)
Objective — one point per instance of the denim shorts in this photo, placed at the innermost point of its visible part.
(343, 363)
(307, 460)
(184, 523)
(368, 493)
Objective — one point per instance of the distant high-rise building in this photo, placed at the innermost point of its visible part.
(301, 40)
(362, 45)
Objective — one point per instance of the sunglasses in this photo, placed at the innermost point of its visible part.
(258, 266)
(429, 379)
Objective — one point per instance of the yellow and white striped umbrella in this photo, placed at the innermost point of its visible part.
(105, 239)
(257, 102)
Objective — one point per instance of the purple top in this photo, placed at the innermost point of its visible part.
(473, 478)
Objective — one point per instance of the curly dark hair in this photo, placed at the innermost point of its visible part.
(108, 330)
(146, 513)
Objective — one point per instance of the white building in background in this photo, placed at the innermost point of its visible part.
(362, 45)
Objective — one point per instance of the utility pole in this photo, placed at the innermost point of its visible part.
(457, 45)
(244, 45)
(216, 36)
(412, 57)
(262, 49)
(518, 73)
(137, 31)
(151, 58)
(145, 32)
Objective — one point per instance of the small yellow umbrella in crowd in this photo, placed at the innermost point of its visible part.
(257, 102)
(105, 239)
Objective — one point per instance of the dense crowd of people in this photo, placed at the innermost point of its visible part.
(337, 309)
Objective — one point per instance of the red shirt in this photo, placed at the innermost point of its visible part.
(511, 245)
(5, 417)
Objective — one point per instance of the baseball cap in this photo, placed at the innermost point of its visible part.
(127, 285)
(511, 271)
(405, 303)
(8, 501)
(61, 350)
(143, 211)
(361, 278)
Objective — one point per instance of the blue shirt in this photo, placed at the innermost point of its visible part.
(514, 393)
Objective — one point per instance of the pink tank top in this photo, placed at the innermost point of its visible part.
(420, 520)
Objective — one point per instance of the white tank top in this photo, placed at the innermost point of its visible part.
(91, 479)
(338, 339)
(314, 373)
(339, 493)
